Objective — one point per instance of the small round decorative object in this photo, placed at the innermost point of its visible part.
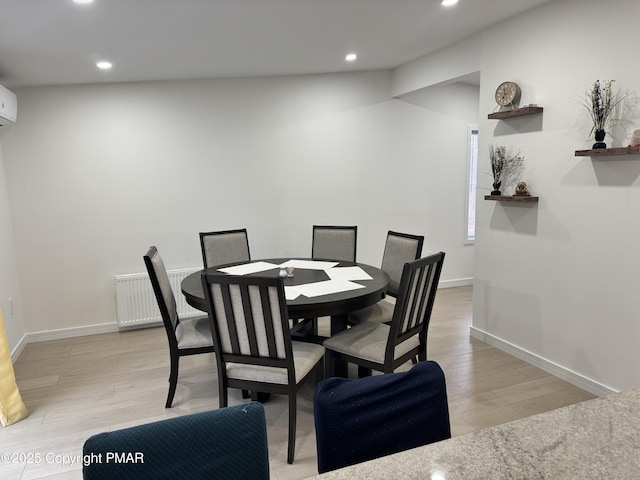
(507, 93)
(521, 189)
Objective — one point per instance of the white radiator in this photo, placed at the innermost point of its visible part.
(136, 304)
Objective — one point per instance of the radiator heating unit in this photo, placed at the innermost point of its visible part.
(136, 304)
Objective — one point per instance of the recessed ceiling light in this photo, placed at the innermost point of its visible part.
(83, 2)
(351, 57)
(104, 65)
(448, 3)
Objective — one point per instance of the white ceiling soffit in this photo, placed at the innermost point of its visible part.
(50, 42)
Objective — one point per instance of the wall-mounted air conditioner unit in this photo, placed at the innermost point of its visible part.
(8, 106)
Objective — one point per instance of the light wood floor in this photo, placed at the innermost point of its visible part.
(77, 387)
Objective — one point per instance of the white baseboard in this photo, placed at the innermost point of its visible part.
(542, 363)
(71, 332)
(456, 282)
(15, 353)
(44, 336)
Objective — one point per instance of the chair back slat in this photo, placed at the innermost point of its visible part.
(249, 318)
(223, 247)
(416, 284)
(270, 332)
(415, 301)
(399, 249)
(430, 288)
(247, 309)
(227, 321)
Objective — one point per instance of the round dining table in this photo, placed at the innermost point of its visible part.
(335, 305)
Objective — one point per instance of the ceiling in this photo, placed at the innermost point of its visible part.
(53, 42)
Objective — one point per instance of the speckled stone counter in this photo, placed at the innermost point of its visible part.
(596, 439)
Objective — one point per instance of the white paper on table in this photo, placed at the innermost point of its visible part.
(291, 292)
(348, 273)
(247, 268)
(309, 264)
(327, 287)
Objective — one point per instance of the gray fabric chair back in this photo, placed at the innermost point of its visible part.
(399, 249)
(414, 304)
(162, 288)
(250, 319)
(334, 243)
(220, 248)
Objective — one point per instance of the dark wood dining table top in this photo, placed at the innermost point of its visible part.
(334, 304)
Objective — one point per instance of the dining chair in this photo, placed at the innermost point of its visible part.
(223, 247)
(187, 336)
(252, 337)
(332, 242)
(382, 347)
(360, 419)
(399, 249)
(229, 443)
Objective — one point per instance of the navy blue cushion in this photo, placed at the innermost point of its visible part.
(229, 443)
(361, 419)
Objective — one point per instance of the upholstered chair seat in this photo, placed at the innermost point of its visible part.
(368, 341)
(380, 312)
(305, 357)
(194, 333)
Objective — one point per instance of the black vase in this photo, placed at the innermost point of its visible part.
(599, 139)
(496, 188)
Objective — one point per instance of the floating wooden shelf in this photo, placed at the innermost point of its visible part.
(512, 198)
(602, 152)
(516, 112)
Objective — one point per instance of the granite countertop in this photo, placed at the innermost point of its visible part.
(596, 439)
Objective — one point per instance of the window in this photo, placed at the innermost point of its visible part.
(472, 178)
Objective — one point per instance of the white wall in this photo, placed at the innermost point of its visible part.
(448, 111)
(439, 67)
(98, 173)
(9, 285)
(560, 279)
(557, 282)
